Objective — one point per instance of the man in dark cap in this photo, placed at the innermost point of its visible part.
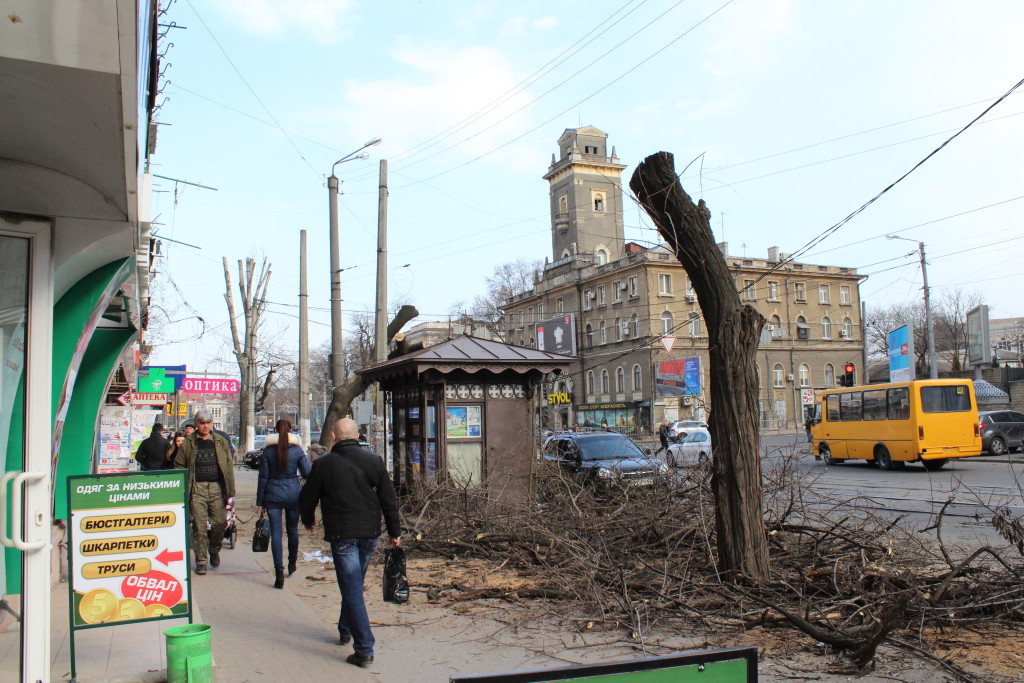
(152, 450)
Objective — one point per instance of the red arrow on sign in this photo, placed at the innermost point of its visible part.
(166, 557)
(125, 399)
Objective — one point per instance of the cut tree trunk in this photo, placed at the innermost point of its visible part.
(345, 393)
(733, 332)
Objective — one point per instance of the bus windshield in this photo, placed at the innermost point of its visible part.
(948, 399)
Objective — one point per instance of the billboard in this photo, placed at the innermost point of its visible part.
(679, 377)
(979, 348)
(557, 335)
(901, 354)
(161, 379)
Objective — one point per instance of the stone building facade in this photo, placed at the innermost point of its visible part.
(625, 300)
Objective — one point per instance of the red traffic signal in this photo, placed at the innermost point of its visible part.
(849, 368)
(848, 376)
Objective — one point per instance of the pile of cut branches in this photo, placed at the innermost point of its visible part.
(644, 558)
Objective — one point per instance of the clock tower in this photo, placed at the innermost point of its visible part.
(586, 197)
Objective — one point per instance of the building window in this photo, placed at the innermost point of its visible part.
(620, 380)
(689, 286)
(801, 291)
(665, 283)
(805, 375)
(604, 333)
(587, 149)
(529, 315)
(559, 306)
(844, 295)
(632, 285)
(617, 290)
(588, 299)
(826, 327)
(773, 290)
(590, 336)
(666, 323)
(635, 323)
(830, 375)
(637, 378)
(601, 300)
(590, 381)
(847, 327)
(540, 311)
(563, 204)
(802, 330)
(693, 324)
(778, 375)
(604, 381)
(748, 291)
(618, 330)
(775, 325)
(823, 294)
(601, 257)
(599, 202)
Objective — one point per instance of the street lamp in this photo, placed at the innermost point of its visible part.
(337, 354)
(933, 369)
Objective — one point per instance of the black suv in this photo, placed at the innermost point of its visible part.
(597, 457)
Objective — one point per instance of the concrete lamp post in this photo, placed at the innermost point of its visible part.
(933, 369)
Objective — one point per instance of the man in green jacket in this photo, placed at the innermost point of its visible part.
(211, 481)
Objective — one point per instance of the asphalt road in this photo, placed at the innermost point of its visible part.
(974, 485)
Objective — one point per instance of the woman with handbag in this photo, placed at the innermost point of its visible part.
(277, 493)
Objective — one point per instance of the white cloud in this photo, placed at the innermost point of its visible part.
(438, 87)
(320, 18)
(546, 22)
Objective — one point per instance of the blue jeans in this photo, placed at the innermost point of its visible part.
(351, 558)
(292, 521)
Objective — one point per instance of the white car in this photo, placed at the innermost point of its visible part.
(694, 448)
(681, 428)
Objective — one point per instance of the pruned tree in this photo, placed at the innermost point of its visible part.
(345, 393)
(950, 321)
(884, 319)
(253, 291)
(733, 332)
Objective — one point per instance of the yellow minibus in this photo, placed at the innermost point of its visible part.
(929, 420)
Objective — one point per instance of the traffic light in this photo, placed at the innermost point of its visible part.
(848, 377)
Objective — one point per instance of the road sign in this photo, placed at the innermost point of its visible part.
(128, 541)
(668, 342)
(125, 399)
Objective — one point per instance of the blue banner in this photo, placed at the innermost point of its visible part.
(901, 354)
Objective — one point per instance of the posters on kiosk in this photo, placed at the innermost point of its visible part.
(128, 541)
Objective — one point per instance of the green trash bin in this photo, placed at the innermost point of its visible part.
(189, 654)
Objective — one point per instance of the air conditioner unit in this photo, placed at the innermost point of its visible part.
(620, 285)
(844, 333)
(691, 298)
(625, 329)
(687, 400)
(789, 378)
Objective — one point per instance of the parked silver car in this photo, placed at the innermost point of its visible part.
(695, 447)
(683, 427)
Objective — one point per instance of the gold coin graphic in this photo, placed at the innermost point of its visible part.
(130, 608)
(158, 610)
(97, 606)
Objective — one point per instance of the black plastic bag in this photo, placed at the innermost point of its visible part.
(261, 535)
(396, 585)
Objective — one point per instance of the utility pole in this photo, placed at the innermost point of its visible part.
(337, 353)
(933, 369)
(303, 344)
(381, 321)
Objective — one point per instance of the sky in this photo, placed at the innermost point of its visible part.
(790, 115)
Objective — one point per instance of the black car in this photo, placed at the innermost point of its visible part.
(252, 459)
(1001, 431)
(602, 457)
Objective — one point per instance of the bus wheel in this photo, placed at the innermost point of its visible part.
(826, 455)
(883, 459)
(933, 465)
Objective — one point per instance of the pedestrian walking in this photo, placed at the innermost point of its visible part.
(211, 482)
(277, 493)
(663, 435)
(172, 449)
(188, 428)
(152, 450)
(352, 487)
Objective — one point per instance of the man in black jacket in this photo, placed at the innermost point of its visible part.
(353, 490)
(153, 450)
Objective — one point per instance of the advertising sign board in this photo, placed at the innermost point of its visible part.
(202, 385)
(807, 397)
(168, 378)
(128, 542)
(979, 348)
(901, 354)
(557, 335)
(679, 377)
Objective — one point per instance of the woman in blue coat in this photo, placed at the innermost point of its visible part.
(278, 490)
